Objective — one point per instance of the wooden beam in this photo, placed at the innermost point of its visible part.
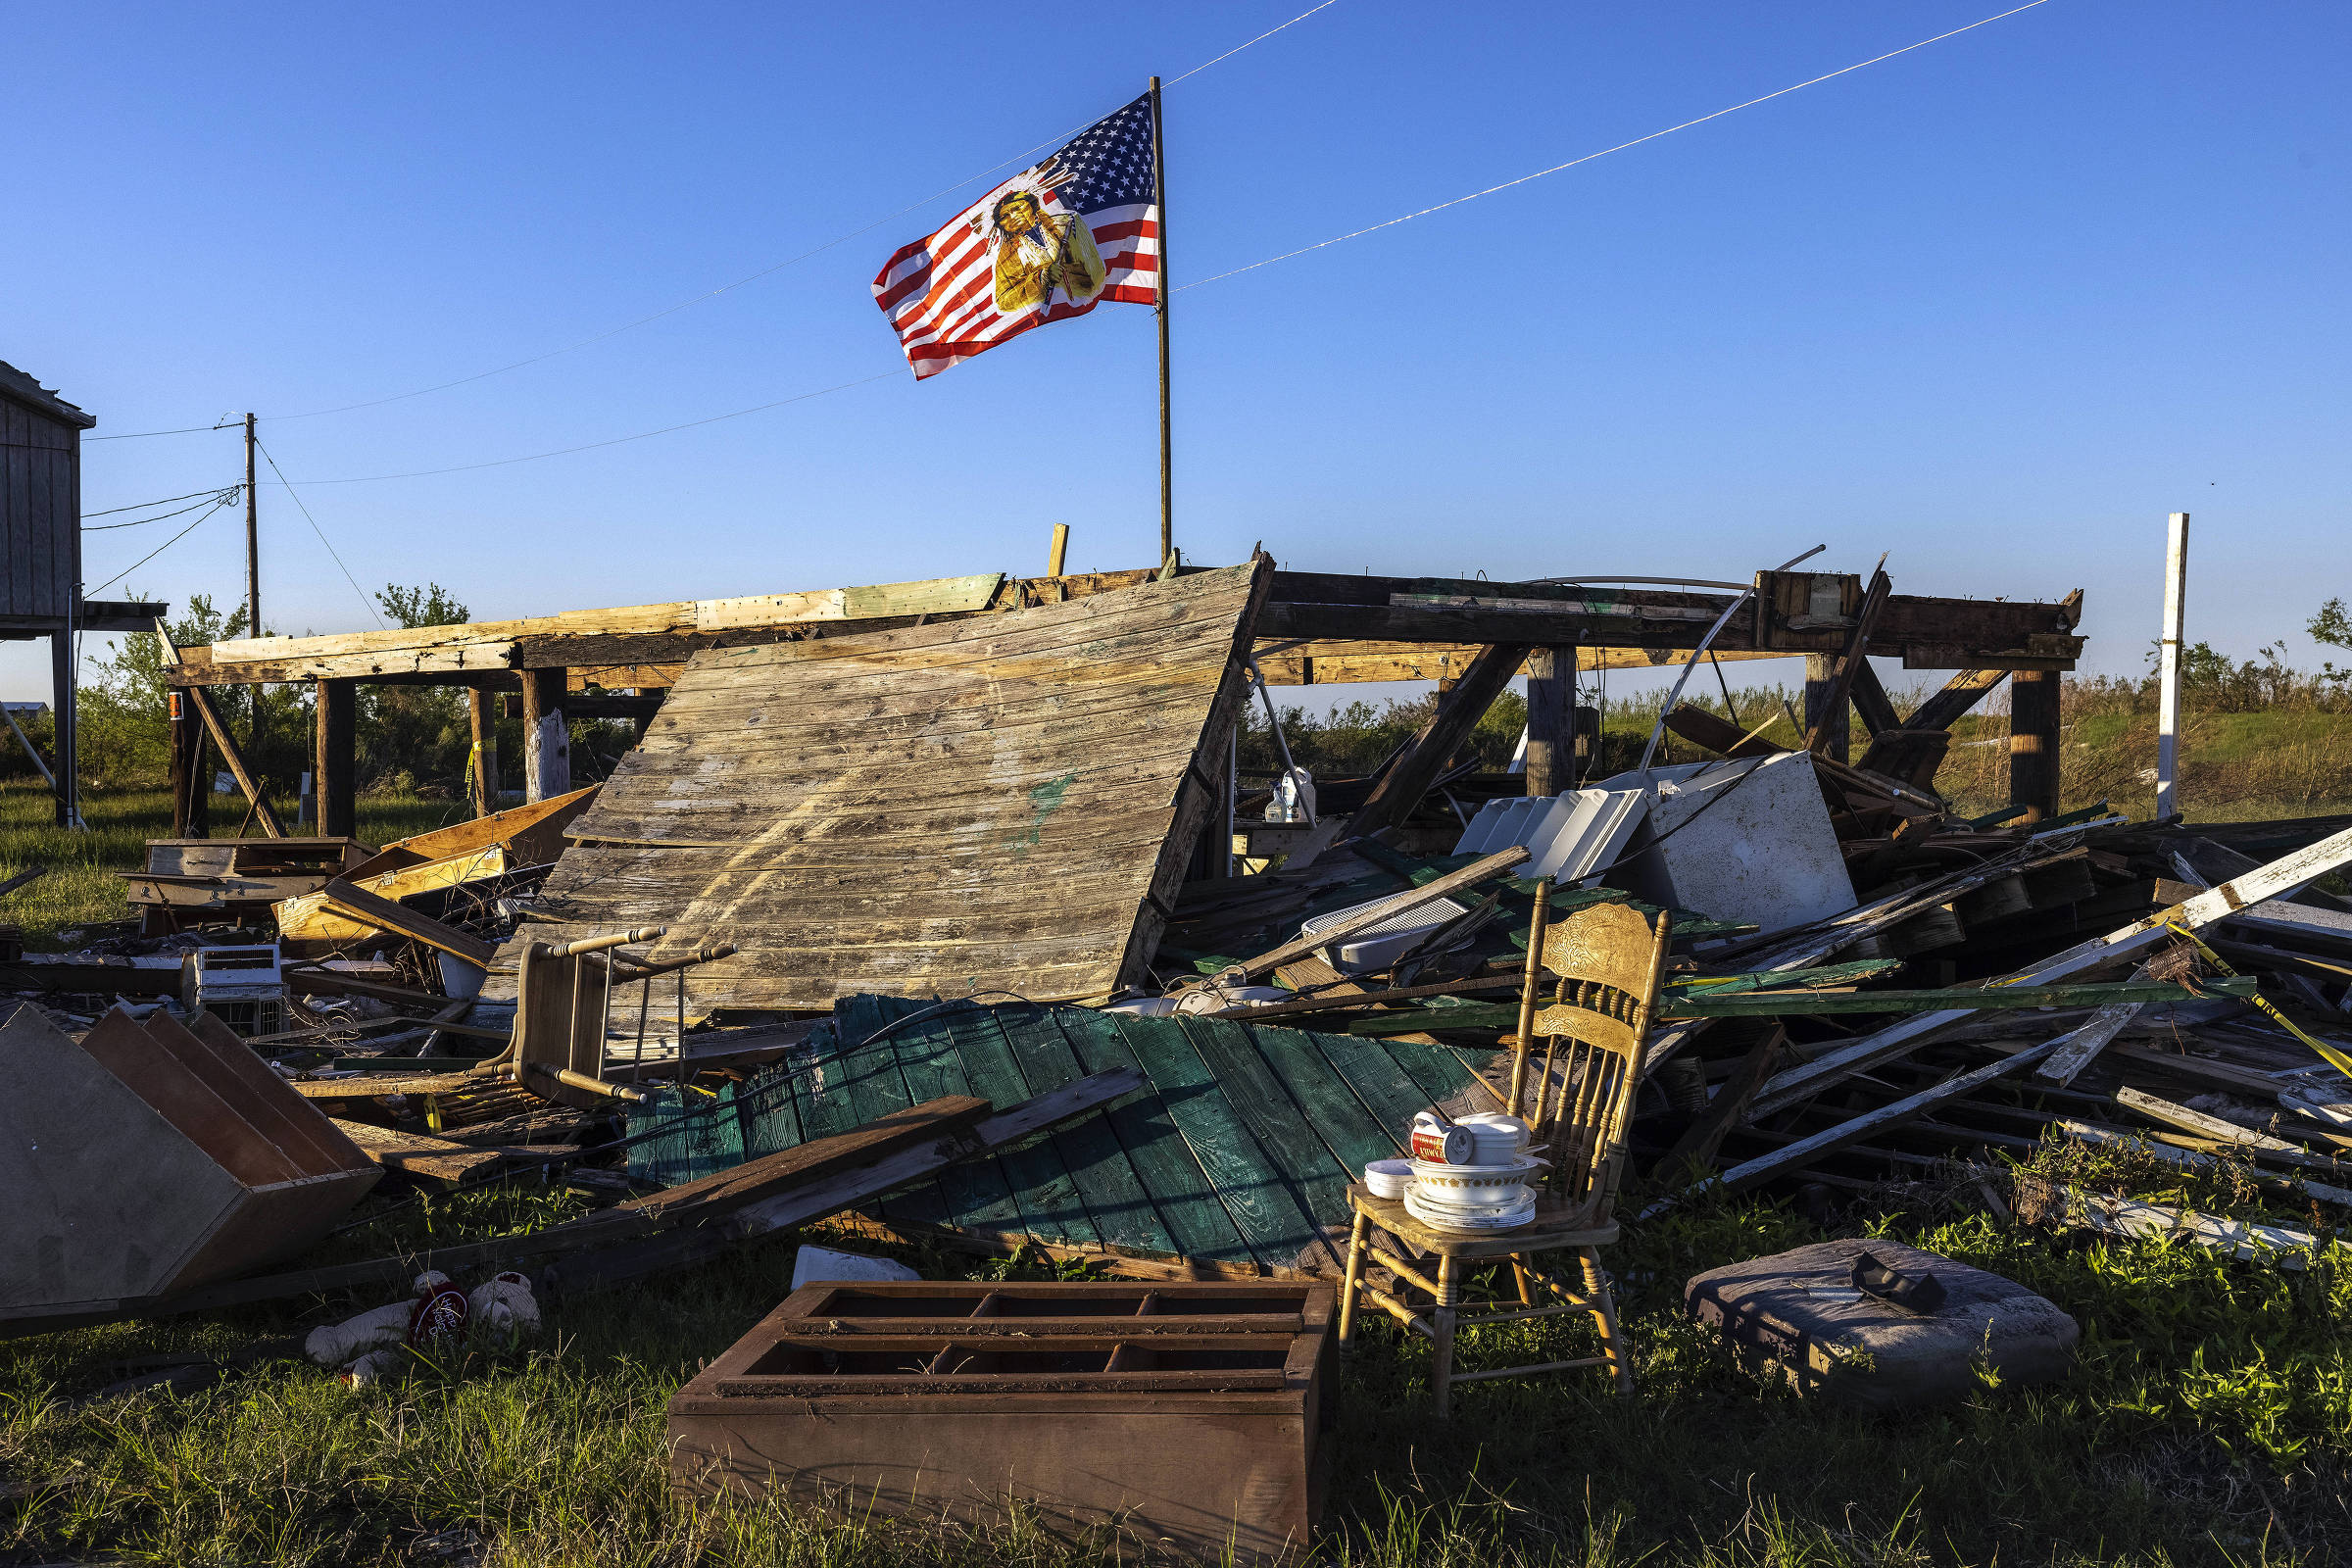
(1961, 693)
(1405, 780)
(2034, 737)
(335, 766)
(1827, 731)
(203, 703)
(1550, 720)
(1451, 882)
(546, 742)
(1872, 702)
(64, 714)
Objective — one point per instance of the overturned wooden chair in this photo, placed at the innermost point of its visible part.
(1603, 967)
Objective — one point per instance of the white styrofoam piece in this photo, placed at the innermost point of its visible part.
(1376, 947)
(824, 1263)
(1568, 837)
(1758, 846)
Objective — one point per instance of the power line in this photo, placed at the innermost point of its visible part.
(1260, 38)
(219, 498)
(226, 497)
(136, 435)
(1604, 152)
(322, 539)
(618, 440)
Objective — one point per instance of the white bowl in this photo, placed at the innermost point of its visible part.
(1389, 1178)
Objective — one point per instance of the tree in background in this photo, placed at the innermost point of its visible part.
(413, 739)
(2332, 626)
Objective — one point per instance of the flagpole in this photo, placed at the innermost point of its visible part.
(1159, 202)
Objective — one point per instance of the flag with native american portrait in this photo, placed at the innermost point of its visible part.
(1051, 242)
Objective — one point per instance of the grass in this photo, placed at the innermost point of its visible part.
(2210, 1421)
(82, 887)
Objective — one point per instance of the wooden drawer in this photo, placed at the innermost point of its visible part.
(1190, 1413)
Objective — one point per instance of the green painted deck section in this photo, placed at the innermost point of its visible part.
(1240, 1153)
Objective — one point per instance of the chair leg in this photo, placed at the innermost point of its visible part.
(1440, 1321)
(1355, 1273)
(1519, 1274)
(1604, 1313)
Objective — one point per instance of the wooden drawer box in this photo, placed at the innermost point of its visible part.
(1189, 1413)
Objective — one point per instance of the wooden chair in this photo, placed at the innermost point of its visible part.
(1602, 966)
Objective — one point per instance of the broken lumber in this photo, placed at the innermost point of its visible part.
(368, 908)
(1407, 778)
(2215, 904)
(1301, 947)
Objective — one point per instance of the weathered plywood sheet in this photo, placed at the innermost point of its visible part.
(1000, 803)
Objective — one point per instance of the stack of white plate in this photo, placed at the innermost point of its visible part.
(1473, 1197)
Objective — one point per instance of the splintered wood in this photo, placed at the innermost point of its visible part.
(999, 802)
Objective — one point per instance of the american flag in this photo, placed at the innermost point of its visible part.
(1051, 242)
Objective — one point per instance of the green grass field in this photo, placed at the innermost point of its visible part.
(2210, 1421)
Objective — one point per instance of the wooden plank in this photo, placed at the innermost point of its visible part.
(2085, 1041)
(416, 1154)
(1961, 693)
(255, 796)
(1019, 1190)
(818, 1159)
(360, 904)
(1480, 870)
(1117, 1204)
(1269, 1213)
(1199, 1222)
(1329, 1103)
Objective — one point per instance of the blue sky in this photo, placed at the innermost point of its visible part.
(1994, 307)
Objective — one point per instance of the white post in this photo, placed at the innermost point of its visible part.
(2168, 667)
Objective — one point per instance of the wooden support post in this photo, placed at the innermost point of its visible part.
(2034, 743)
(1406, 779)
(1550, 720)
(546, 744)
(334, 769)
(191, 796)
(61, 749)
(1822, 716)
(482, 715)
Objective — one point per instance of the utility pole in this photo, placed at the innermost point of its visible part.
(253, 542)
(253, 581)
(2168, 666)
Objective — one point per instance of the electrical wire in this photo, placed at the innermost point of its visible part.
(140, 435)
(157, 551)
(143, 505)
(1604, 152)
(220, 498)
(1238, 48)
(322, 539)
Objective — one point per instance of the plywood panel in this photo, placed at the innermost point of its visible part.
(931, 809)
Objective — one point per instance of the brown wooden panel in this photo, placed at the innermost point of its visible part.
(1002, 800)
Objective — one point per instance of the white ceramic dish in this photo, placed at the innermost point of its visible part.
(1446, 1219)
(1389, 1178)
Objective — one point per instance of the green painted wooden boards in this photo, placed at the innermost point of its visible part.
(1239, 1155)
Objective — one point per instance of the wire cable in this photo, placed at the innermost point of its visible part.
(157, 551)
(140, 435)
(1605, 150)
(219, 498)
(142, 504)
(322, 539)
(1238, 48)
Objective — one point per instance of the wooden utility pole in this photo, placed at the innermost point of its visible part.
(1160, 204)
(253, 553)
(546, 745)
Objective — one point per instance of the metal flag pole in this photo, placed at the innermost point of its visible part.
(1159, 204)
